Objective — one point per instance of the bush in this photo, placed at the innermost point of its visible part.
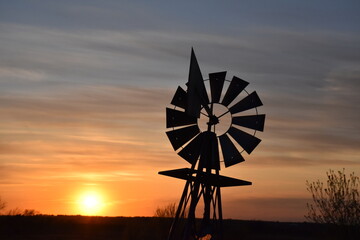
(30, 212)
(169, 211)
(336, 203)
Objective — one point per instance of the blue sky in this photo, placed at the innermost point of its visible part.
(84, 86)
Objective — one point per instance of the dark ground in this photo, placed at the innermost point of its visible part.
(134, 228)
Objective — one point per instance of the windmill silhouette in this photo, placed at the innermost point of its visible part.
(205, 147)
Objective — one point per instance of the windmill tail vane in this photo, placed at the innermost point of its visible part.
(204, 148)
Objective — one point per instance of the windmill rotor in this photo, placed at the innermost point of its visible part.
(214, 121)
(186, 134)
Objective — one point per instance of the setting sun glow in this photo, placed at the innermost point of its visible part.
(90, 203)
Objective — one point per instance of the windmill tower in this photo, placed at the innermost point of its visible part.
(198, 135)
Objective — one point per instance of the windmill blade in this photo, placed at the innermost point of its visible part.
(216, 85)
(245, 140)
(234, 89)
(180, 98)
(175, 118)
(255, 122)
(191, 152)
(181, 136)
(230, 153)
(196, 91)
(209, 157)
(250, 101)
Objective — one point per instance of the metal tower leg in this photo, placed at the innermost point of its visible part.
(180, 212)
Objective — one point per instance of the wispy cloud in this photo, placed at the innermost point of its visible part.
(83, 88)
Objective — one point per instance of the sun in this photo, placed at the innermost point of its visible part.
(90, 203)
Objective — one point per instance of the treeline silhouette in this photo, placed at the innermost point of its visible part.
(41, 227)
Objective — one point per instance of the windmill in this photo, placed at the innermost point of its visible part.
(199, 136)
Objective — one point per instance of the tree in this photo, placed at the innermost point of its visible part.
(168, 211)
(336, 203)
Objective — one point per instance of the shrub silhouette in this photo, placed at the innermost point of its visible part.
(168, 211)
(336, 203)
(30, 212)
(17, 211)
(2, 204)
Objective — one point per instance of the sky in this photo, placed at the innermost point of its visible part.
(84, 86)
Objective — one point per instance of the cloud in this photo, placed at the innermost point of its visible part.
(77, 103)
(84, 86)
(269, 55)
(14, 74)
(94, 82)
(82, 132)
(88, 103)
(69, 57)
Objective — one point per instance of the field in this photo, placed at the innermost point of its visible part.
(150, 228)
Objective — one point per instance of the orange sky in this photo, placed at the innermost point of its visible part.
(55, 151)
(84, 87)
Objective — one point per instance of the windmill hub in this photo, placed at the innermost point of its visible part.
(213, 120)
(218, 121)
